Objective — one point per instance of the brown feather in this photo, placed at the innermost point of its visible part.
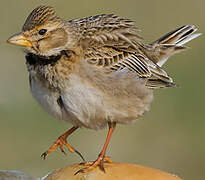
(39, 16)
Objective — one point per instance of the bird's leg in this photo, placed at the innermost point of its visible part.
(62, 141)
(101, 157)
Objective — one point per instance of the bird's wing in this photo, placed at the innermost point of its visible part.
(113, 43)
(107, 29)
(113, 59)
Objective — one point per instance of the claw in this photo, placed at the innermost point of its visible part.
(44, 155)
(63, 152)
(80, 171)
(102, 166)
(80, 154)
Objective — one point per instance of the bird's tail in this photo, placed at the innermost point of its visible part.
(173, 42)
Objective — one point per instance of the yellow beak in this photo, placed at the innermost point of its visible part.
(19, 40)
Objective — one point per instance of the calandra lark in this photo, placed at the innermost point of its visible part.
(94, 71)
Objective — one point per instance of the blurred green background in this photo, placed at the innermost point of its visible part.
(170, 137)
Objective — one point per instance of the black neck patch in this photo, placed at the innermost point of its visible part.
(33, 59)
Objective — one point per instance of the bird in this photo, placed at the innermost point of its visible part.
(95, 71)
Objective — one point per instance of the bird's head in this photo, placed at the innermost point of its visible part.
(43, 33)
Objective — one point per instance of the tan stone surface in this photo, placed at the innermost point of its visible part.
(114, 171)
(15, 175)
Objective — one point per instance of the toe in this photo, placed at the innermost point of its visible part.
(108, 159)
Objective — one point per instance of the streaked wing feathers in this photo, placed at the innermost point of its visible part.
(116, 60)
(112, 59)
(106, 29)
(135, 63)
(113, 43)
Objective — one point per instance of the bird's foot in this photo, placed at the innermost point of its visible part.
(59, 143)
(92, 165)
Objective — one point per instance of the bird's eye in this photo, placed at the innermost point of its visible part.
(42, 31)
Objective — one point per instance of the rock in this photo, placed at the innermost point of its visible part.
(114, 171)
(15, 175)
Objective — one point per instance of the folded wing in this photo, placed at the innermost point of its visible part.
(113, 43)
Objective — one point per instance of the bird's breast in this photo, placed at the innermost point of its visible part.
(45, 96)
(90, 98)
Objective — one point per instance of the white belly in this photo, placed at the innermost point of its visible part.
(85, 105)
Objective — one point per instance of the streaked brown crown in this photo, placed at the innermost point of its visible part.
(39, 16)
